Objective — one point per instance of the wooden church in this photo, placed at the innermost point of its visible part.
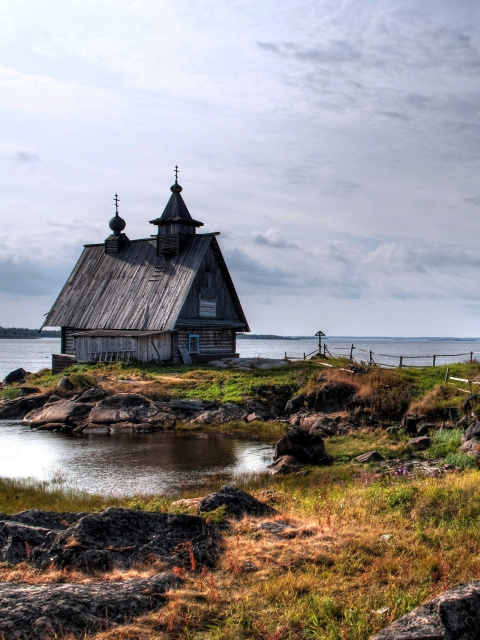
(165, 298)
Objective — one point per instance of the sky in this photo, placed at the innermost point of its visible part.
(335, 144)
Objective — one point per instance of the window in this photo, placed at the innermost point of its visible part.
(194, 343)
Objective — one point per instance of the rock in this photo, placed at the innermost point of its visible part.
(20, 407)
(294, 405)
(473, 431)
(15, 376)
(334, 397)
(92, 395)
(64, 412)
(471, 446)
(370, 456)
(46, 519)
(238, 503)
(65, 383)
(455, 615)
(124, 407)
(17, 540)
(227, 412)
(468, 403)
(285, 464)
(424, 428)
(38, 612)
(254, 417)
(307, 448)
(123, 537)
(319, 422)
(422, 442)
(28, 391)
(184, 405)
(410, 422)
(54, 398)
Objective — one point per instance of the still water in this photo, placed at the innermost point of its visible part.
(124, 463)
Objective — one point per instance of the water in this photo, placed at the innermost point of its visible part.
(385, 351)
(31, 355)
(34, 355)
(125, 463)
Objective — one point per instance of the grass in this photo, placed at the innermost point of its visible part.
(363, 548)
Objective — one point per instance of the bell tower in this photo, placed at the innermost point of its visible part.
(175, 225)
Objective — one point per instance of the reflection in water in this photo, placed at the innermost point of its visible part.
(125, 463)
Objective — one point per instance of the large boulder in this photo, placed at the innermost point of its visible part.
(15, 376)
(20, 407)
(38, 612)
(123, 537)
(62, 412)
(238, 503)
(295, 404)
(304, 446)
(455, 615)
(124, 407)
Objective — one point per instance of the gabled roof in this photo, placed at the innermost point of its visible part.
(134, 289)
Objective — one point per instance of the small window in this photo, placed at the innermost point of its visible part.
(194, 343)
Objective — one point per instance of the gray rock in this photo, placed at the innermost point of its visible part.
(471, 446)
(227, 412)
(63, 412)
(28, 391)
(17, 541)
(473, 431)
(238, 503)
(65, 383)
(124, 407)
(300, 444)
(20, 407)
(38, 612)
(455, 615)
(18, 375)
(123, 537)
(93, 395)
(295, 404)
(370, 456)
(422, 442)
(46, 519)
(334, 397)
(285, 464)
(424, 428)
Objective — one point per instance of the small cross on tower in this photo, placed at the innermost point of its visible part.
(116, 200)
(176, 174)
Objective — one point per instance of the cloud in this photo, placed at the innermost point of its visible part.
(26, 157)
(475, 201)
(273, 238)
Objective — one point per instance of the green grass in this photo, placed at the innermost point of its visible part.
(10, 393)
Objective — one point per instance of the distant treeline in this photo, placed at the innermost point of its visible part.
(15, 332)
(268, 336)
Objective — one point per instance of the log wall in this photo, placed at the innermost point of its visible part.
(90, 348)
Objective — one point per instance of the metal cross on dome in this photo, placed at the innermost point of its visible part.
(116, 200)
(176, 174)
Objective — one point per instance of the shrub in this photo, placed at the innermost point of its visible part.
(436, 403)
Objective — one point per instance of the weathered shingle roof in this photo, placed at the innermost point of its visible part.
(134, 289)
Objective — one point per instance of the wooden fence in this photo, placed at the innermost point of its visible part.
(372, 358)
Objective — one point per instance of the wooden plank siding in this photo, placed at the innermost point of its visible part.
(212, 341)
(209, 285)
(143, 348)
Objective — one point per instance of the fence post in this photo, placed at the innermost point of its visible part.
(285, 355)
(434, 358)
(401, 362)
(304, 356)
(351, 352)
(371, 359)
(447, 374)
(471, 356)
